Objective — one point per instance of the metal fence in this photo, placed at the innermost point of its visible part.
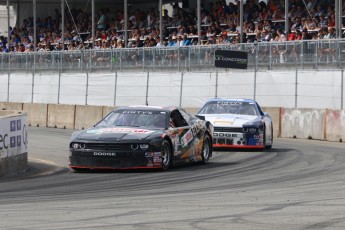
(311, 54)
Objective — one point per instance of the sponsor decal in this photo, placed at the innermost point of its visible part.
(119, 130)
(148, 154)
(157, 163)
(13, 141)
(196, 127)
(4, 145)
(13, 137)
(157, 154)
(229, 102)
(186, 138)
(107, 154)
(149, 163)
(157, 159)
(137, 112)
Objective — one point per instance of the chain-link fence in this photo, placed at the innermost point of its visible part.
(311, 54)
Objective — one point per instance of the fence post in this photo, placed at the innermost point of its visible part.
(296, 84)
(61, 58)
(8, 86)
(301, 55)
(189, 54)
(315, 54)
(147, 87)
(115, 87)
(32, 87)
(270, 56)
(59, 88)
(255, 67)
(87, 87)
(181, 88)
(216, 83)
(178, 58)
(143, 58)
(342, 89)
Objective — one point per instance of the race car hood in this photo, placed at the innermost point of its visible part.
(229, 120)
(113, 134)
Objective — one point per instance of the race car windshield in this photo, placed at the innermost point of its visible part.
(135, 118)
(229, 107)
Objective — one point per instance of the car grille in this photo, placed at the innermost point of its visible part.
(103, 146)
(228, 129)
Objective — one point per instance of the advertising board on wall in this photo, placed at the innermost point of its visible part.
(231, 59)
(13, 136)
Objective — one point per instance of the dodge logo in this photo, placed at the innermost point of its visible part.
(104, 154)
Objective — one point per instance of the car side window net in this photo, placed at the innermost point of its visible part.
(177, 119)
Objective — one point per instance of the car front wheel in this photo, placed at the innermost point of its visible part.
(166, 155)
(268, 147)
(206, 149)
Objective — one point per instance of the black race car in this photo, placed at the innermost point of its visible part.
(142, 137)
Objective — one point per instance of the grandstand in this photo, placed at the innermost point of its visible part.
(171, 61)
(92, 34)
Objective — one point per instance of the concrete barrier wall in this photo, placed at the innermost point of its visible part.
(13, 142)
(335, 125)
(61, 116)
(37, 114)
(303, 123)
(287, 122)
(87, 116)
(11, 106)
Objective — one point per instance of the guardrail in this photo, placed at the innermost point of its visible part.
(307, 54)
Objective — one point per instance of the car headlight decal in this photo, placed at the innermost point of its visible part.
(77, 145)
(134, 146)
(144, 146)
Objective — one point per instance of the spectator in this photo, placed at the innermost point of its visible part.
(323, 21)
(306, 35)
(102, 21)
(297, 25)
(185, 41)
(298, 35)
(291, 36)
(309, 24)
(266, 36)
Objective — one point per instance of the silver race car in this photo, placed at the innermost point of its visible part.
(238, 123)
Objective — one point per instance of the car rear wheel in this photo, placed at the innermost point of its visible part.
(166, 155)
(206, 149)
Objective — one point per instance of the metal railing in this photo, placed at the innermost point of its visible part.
(311, 54)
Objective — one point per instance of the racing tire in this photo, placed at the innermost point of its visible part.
(268, 147)
(166, 155)
(206, 152)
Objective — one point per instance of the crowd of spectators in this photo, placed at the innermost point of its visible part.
(220, 23)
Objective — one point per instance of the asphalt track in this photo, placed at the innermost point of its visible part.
(299, 184)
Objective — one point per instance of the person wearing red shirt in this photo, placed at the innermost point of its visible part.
(291, 36)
